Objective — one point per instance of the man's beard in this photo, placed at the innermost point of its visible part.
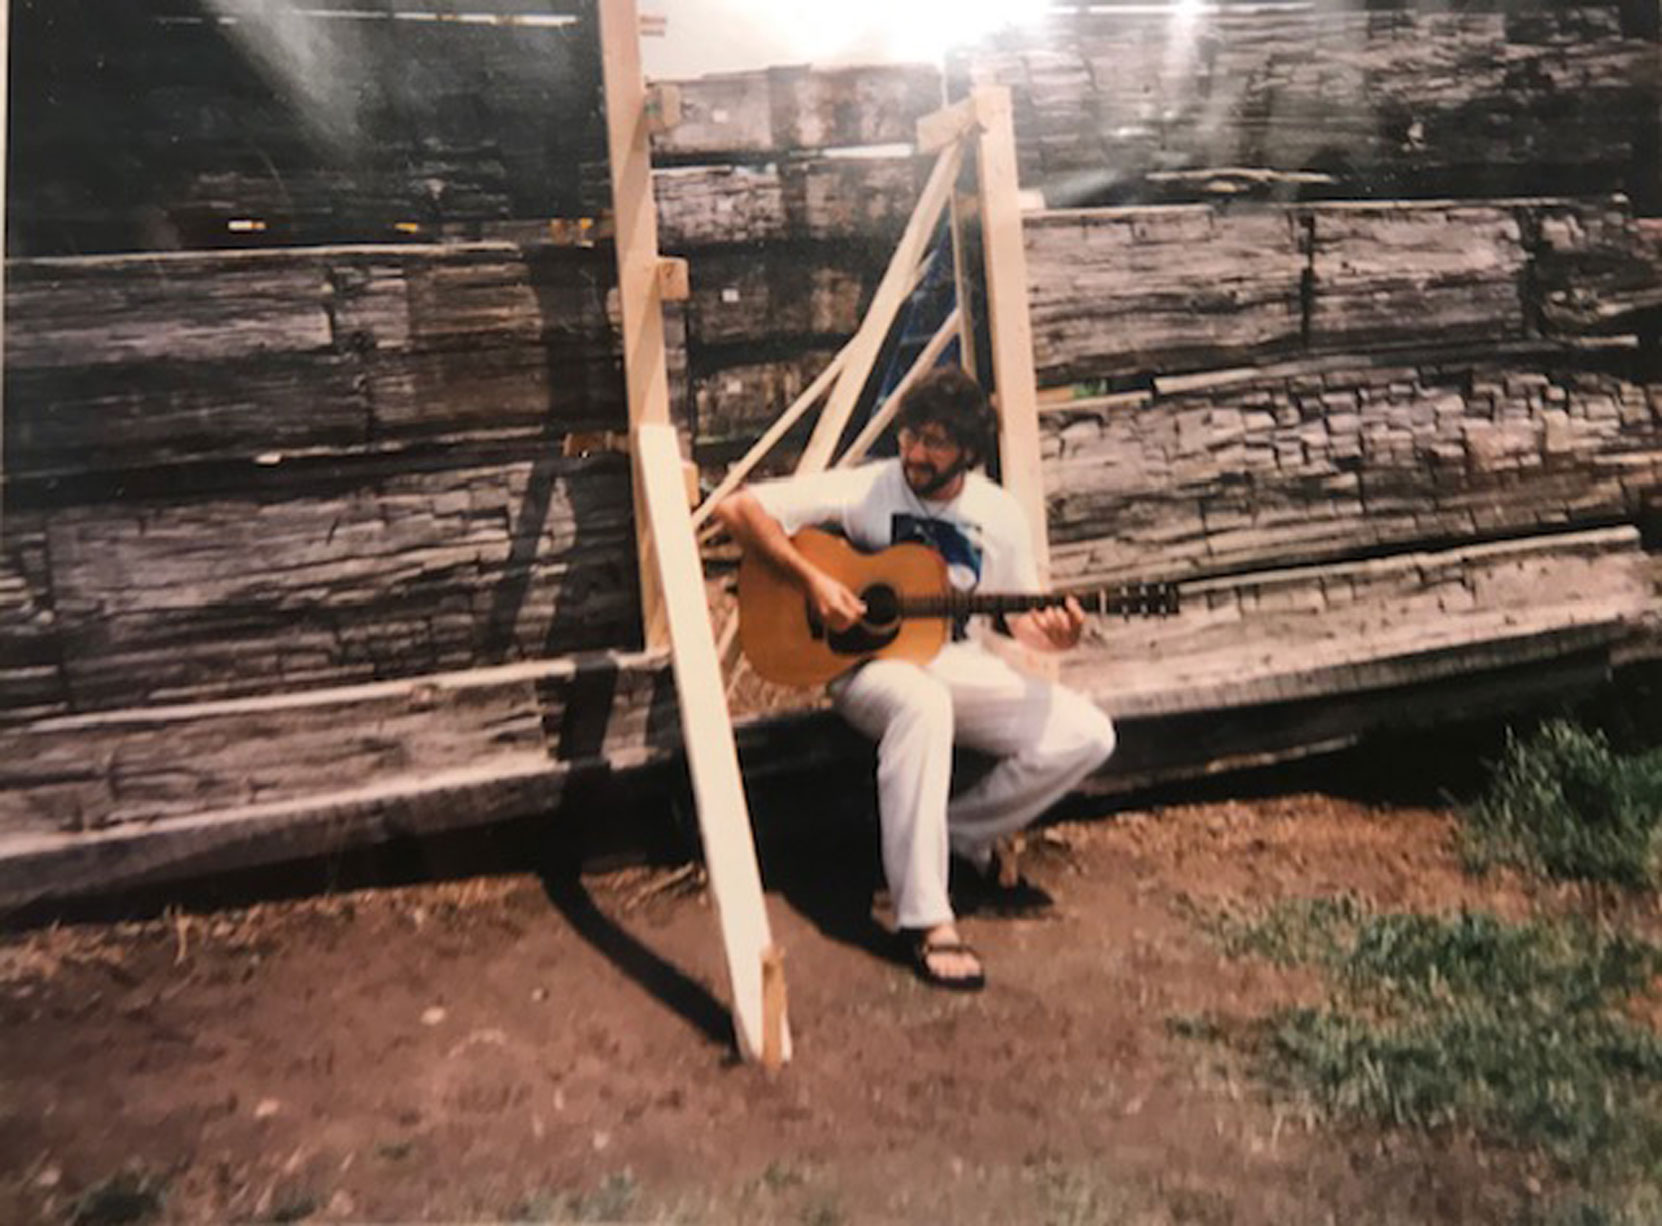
(931, 480)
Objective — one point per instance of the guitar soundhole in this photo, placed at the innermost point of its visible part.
(882, 607)
(876, 630)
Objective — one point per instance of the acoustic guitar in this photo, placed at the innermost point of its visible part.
(910, 608)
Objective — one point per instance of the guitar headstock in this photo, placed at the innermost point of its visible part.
(1135, 600)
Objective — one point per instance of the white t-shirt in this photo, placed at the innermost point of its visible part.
(981, 533)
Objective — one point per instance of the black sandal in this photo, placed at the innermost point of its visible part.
(923, 949)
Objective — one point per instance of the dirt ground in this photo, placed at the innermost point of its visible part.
(555, 1047)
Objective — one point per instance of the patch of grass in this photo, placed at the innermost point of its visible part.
(781, 1175)
(612, 1201)
(823, 1210)
(1519, 1031)
(124, 1199)
(1294, 933)
(1564, 803)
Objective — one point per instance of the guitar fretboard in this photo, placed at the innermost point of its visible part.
(1122, 600)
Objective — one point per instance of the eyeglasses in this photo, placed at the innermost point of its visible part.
(936, 442)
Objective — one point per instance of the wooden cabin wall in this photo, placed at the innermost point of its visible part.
(1388, 99)
(288, 538)
(244, 472)
(292, 555)
(785, 190)
(184, 124)
(1322, 381)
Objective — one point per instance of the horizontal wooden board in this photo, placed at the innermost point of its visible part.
(812, 198)
(323, 578)
(150, 130)
(1114, 290)
(125, 363)
(778, 110)
(1309, 464)
(84, 773)
(1387, 275)
(1385, 103)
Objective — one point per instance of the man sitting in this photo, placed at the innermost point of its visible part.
(1046, 737)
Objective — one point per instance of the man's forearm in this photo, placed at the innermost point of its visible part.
(762, 536)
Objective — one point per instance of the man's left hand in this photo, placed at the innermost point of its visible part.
(1054, 629)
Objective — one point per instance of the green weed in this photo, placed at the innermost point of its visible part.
(1518, 1031)
(1562, 802)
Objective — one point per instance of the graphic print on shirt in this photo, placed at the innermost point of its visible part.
(952, 542)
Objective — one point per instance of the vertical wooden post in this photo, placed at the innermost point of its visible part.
(1011, 329)
(753, 962)
(635, 225)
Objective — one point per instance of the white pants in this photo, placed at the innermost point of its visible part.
(1048, 737)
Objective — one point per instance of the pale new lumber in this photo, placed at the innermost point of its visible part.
(645, 366)
(952, 123)
(723, 816)
(891, 294)
(1010, 327)
(885, 414)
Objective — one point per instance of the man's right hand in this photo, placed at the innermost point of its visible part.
(836, 606)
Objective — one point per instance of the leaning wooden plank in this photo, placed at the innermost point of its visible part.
(645, 366)
(724, 819)
(891, 294)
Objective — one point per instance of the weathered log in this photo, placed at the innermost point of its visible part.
(818, 198)
(780, 293)
(784, 109)
(329, 126)
(323, 578)
(1309, 463)
(742, 400)
(1596, 273)
(90, 772)
(1391, 103)
(121, 363)
(1387, 275)
(1114, 291)
(1120, 292)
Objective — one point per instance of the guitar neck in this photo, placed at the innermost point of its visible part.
(1150, 599)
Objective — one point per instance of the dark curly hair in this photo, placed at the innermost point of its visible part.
(949, 397)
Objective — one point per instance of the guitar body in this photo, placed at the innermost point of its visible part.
(781, 639)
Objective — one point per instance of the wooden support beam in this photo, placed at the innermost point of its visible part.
(640, 291)
(674, 281)
(885, 414)
(1010, 326)
(723, 817)
(891, 295)
(950, 124)
(663, 107)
